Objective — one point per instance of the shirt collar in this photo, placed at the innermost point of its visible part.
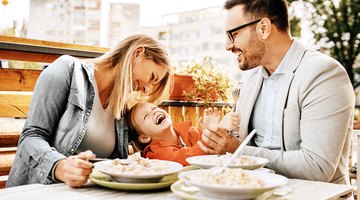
(284, 62)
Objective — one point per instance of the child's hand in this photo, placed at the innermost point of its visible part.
(230, 121)
(211, 118)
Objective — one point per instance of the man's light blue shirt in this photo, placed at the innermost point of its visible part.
(265, 116)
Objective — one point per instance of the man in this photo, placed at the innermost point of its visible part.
(299, 100)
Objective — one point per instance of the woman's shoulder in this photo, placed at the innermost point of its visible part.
(65, 60)
(63, 65)
(60, 69)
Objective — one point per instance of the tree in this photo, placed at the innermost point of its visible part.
(295, 21)
(336, 28)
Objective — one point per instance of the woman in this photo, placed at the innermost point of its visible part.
(77, 107)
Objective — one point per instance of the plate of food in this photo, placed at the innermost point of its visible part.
(137, 169)
(244, 162)
(106, 181)
(232, 183)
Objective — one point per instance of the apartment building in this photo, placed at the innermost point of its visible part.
(186, 35)
(90, 22)
(193, 34)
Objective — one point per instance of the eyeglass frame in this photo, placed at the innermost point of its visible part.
(229, 32)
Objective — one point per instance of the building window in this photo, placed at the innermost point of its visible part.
(205, 46)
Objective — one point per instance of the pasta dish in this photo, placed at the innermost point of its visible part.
(137, 166)
(222, 159)
(229, 177)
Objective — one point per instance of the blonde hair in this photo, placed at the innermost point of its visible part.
(121, 56)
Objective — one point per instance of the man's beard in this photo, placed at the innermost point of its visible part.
(253, 54)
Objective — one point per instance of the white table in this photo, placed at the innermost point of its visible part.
(302, 189)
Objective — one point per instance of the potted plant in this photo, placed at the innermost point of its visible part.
(208, 84)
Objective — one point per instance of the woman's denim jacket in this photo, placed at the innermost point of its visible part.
(60, 107)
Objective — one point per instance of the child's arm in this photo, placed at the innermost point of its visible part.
(230, 121)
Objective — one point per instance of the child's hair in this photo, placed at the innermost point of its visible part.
(134, 130)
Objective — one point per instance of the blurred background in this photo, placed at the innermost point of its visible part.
(188, 28)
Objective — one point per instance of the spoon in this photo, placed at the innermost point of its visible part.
(237, 152)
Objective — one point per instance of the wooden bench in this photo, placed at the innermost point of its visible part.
(17, 85)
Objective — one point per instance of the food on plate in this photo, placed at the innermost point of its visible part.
(222, 159)
(136, 165)
(229, 177)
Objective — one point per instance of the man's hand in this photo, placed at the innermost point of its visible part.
(217, 141)
(75, 170)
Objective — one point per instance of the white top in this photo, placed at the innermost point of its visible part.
(100, 134)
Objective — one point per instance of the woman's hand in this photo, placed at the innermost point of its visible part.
(75, 170)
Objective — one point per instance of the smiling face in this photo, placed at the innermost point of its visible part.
(146, 73)
(246, 46)
(150, 120)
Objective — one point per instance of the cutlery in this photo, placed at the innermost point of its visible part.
(237, 152)
(94, 160)
(121, 161)
(235, 95)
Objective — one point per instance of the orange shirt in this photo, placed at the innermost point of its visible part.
(165, 150)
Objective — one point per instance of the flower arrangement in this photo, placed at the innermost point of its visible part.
(211, 83)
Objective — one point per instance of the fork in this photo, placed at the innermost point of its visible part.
(237, 152)
(235, 95)
(121, 161)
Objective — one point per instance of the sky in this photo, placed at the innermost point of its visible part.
(150, 10)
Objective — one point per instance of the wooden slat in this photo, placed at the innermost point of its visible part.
(190, 115)
(199, 113)
(14, 104)
(6, 160)
(24, 49)
(3, 180)
(44, 43)
(27, 56)
(193, 103)
(9, 139)
(18, 79)
(176, 114)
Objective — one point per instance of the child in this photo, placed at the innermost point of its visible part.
(164, 141)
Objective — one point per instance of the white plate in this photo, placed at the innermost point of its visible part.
(198, 162)
(128, 177)
(235, 192)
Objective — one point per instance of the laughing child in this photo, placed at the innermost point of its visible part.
(159, 139)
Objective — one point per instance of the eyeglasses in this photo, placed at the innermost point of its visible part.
(230, 32)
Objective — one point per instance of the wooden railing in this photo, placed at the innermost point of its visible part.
(181, 111)
(17, 85)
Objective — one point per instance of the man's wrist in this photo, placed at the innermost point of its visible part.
(234, 144)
